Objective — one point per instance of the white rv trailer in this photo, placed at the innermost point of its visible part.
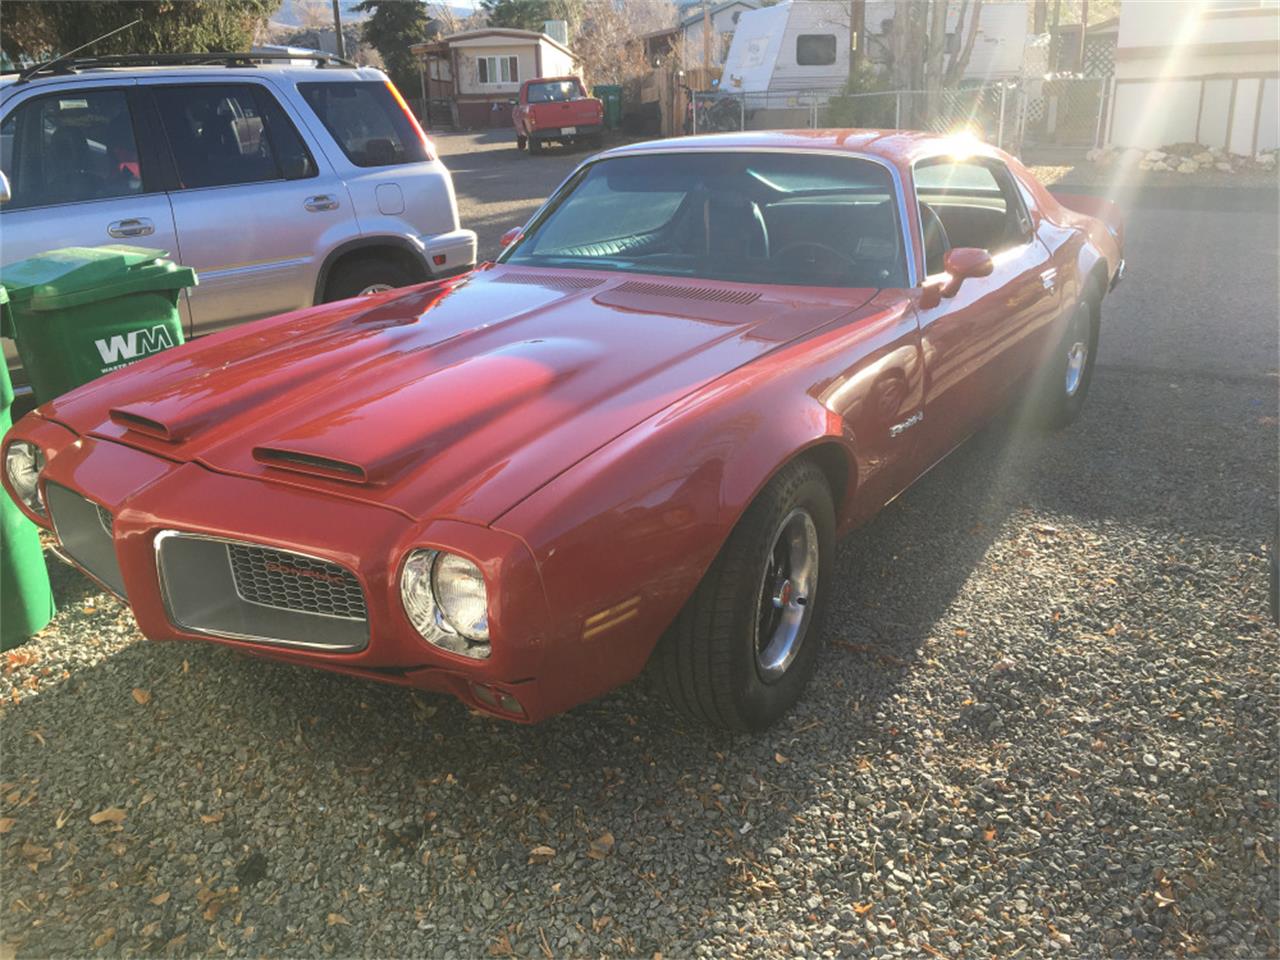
(801, 47)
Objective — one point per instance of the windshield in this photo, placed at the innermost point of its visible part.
(554, 91)
(775, 218)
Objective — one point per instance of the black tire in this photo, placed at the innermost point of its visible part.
(708, 664)
(355, 277)
(1058, 402)
(521, 142)
(535, 146)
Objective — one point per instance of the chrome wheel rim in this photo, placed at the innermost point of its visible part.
(375, 288)
(1077, 355)
(785, 601)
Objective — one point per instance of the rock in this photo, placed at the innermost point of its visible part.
(1155, 156)
(1204, 157)
(1224, 167)
(1145, 164)
(1265, 160)
(1188, 166)
(1094, 155)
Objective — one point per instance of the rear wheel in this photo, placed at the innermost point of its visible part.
(742, 650)
(364, 276)
(1068, 372)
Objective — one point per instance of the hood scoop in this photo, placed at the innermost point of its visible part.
(140, 424)
(556, 281)
(681, 292)
(310, 464)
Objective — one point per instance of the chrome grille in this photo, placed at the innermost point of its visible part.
(290, 581)
(84, 535)
(248, 591)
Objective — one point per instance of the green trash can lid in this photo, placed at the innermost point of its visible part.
(75, 275)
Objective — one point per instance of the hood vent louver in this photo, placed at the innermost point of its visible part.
(310, 464)
(680, 292)
(558, 281)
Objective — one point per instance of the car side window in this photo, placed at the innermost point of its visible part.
(70, 147)
(968, 203)
(220, 134)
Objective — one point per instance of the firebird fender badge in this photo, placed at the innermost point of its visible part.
(899, 428)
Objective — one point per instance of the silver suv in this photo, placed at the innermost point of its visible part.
(283, 185)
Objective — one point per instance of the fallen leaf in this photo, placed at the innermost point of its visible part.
(174, 945)
(109, 815)
(601, 847)
(105, 937)
(160, 898)
(338, 920)
(861, 908)
(989, 833)
(142, 696)
(150, 930)
(186, 667)
(212, 817)
(599, 923)
(212, 910)
(1162, 900)
(541, 854)
(779, 758)
(37, 736)
(6, 824)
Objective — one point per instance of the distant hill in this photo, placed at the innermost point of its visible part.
(303, 13)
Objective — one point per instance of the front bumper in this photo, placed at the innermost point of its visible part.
(145, 497)
(457, 248)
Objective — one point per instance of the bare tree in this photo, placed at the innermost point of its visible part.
(959, 61)
(606, 40)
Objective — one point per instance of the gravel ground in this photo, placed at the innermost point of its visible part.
(1045, 724)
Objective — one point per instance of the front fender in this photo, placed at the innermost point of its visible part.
(623, 538)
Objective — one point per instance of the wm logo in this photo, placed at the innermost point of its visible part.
(134, 344)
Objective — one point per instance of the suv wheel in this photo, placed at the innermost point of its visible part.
(358, 278)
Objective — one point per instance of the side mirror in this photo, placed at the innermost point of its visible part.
(511, 236)
(5, 195)
(965, 263)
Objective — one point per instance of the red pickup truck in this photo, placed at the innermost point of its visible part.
(557, 108)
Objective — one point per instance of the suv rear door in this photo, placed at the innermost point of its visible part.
(82, 171)
(255, 204)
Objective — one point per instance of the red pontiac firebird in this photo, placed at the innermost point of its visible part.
(632, 441)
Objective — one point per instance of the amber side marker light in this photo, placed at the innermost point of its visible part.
(413, 121)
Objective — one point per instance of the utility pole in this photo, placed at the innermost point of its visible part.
(341, 44)
(706, 35)
(1053, 36)
(1084, 25)
(857, 24)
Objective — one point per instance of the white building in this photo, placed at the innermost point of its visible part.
(1197, 72)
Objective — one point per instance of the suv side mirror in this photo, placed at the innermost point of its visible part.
(965, 263)
(5, 195)
(510, 237)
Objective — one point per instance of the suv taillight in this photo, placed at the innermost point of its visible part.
(413, 121)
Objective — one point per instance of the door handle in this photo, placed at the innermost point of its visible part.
(321, 201)
(133, 227)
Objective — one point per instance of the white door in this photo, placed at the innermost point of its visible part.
(252, 203)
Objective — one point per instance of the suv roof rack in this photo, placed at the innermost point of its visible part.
(226, 59)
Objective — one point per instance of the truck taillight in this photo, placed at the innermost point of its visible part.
(413, 122)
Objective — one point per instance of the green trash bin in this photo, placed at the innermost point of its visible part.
(610, 94)
(26, 600)
(80, 312)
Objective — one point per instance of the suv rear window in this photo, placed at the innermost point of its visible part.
(373, 129)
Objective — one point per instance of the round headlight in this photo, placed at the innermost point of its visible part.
(444, 597)
(23, 462)
(459, 590)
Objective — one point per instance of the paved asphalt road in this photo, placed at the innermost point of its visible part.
(1045, 723)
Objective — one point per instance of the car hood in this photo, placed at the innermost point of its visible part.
(455, 399)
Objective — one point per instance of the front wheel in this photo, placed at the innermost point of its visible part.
(743, 648)
(535, 146)
(365, 276)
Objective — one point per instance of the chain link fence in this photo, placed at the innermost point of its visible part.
(1062, 111)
